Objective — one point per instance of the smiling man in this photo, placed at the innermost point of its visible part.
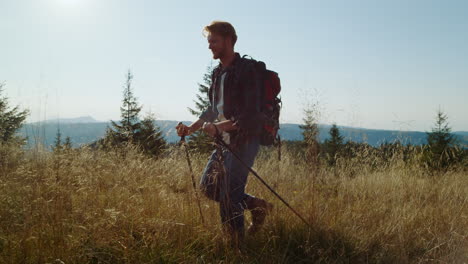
(234, 113)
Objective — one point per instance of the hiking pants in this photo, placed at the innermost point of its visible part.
(227, 185)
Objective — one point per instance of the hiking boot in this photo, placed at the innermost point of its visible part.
(259, 209)
(234, 238)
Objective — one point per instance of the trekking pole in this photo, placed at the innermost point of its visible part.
(220, 140)
(182, 142)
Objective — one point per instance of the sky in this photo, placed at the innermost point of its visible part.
(371, 64)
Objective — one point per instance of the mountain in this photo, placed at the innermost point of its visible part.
(462, 136)
(373, 137)
(76, 120)
(82, 132)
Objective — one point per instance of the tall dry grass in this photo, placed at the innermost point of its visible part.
(86, 206)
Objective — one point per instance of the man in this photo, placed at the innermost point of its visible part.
(234, 114)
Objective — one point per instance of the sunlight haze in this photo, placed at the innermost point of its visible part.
(371, 64)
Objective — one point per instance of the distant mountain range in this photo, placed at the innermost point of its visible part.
(76, 120)
(84, 130)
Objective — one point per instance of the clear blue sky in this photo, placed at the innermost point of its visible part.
(373, 64)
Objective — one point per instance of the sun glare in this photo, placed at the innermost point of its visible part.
(69, 2)
(70, 6)
(70, 10)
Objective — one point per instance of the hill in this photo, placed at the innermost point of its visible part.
(75, 120)
(86, 130)
(81, 132)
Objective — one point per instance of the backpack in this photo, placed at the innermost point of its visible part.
(270, 86)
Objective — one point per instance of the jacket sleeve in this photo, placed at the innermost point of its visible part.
(249, 117)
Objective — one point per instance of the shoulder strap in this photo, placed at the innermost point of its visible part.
(259, 65)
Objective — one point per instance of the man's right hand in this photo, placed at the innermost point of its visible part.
(183, 130)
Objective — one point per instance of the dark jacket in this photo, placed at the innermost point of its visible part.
(242, 99)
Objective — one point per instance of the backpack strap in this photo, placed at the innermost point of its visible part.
(240, 68)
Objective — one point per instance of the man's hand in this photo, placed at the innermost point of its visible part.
(183, 130)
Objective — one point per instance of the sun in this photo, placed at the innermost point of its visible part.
(69, 2)
(70, 9)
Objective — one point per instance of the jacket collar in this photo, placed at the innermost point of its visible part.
(237, 59)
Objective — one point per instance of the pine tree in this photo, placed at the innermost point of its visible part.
(10, 120)
(151, 139)
(60, 146)
(129, 126)
(203, 101)
(68, 144)
(57, 147)
(440, 140)
(130, 129)
(333, 145)
(200, 141)
(310, 133)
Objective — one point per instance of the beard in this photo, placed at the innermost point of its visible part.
(218, 54)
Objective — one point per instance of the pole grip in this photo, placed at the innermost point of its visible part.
(182, 138)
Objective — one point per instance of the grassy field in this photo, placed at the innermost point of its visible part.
(121, 207)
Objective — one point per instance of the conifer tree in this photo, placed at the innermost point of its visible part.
(151, 139)
(310, 133)
(130, 129)
(129, 126)
(57, 147)
(68, 144)
(333, 145)
(60, 146)
(200, 141)
(203, 101)
(440, 140)
(11, 119)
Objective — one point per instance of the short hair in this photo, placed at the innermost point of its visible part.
(222, 28)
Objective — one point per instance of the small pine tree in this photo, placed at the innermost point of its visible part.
(57, 147)
(440, 138)
(310, 133)
(60, 146)
(131, 129)
(151, 139)
(200, 141)
(68, 144)
(10, 120)
(203, 101)
(333, 145)
(440, 141)
(129, 126)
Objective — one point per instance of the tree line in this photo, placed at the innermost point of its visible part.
(441, 151)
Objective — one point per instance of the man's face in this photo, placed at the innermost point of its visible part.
(218, 45)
